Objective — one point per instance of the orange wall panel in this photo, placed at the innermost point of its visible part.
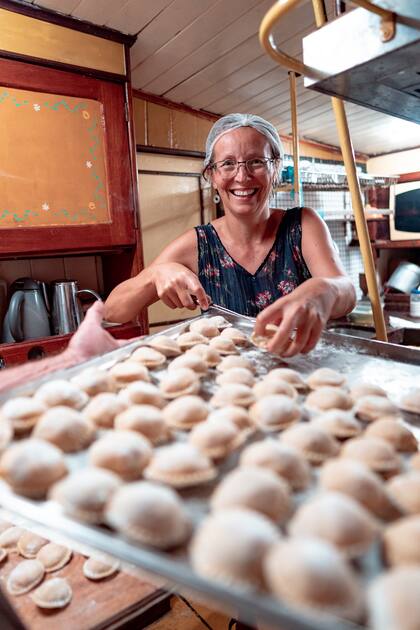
(189, 131)
(183, 130)
(25, 35)
(159, 126)
(139, 116)
(203, 128)
(168, 126)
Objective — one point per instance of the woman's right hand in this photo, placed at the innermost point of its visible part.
(176, 284)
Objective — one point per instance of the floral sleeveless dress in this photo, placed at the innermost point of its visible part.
(230, 285)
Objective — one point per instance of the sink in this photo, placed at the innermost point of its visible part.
(409, 337)
(366, 332)
(401, 336)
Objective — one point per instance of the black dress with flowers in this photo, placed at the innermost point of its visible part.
(230, 285)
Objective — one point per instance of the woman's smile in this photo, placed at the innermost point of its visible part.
(244, 193)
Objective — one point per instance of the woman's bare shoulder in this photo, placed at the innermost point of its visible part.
(311, 220)
(309, 214)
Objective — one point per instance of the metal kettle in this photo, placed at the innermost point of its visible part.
(66, 308)
(27, 315)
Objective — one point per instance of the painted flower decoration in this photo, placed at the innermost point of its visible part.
(45, 206)
(91, 205)
(211, 272)
(85, 114)
(89, 164)
(37, 107)
(295, 253)
(286, 286)
(226, 262)
(269, 263)
(263, 298)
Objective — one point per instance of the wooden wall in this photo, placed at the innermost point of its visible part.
(395, 163)
(165, 125)
(169, 127)
(25, 35)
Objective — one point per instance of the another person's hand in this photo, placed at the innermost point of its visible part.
(176, 284)
(300, 316)
(90, 339)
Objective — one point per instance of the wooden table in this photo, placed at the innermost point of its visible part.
(95, 605)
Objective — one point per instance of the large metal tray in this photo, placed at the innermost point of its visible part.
(393, 367)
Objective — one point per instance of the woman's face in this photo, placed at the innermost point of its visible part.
(243, 193)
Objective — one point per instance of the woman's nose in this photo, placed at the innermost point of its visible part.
(242, 174)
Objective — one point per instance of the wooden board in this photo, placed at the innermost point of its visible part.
(94, 605)
(51, 141)
(118, 166)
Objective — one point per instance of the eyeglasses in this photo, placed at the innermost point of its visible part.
(230, 168)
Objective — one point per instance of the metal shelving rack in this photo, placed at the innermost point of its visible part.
(312, 180)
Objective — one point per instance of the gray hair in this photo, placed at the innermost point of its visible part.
(235, 121)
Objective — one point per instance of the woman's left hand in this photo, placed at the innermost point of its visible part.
(300, 316)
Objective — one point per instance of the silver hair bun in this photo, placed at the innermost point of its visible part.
(235, 121)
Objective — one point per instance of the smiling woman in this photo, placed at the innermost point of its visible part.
(278, 265)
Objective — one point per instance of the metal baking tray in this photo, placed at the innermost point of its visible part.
(393, 367)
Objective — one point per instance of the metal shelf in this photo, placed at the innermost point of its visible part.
(313, 180)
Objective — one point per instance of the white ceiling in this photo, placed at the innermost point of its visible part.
(206, 54)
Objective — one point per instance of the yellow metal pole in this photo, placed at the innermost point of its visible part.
(369, 6)
(295, 137)
(273, 15)
(356, 198)
(282, 7)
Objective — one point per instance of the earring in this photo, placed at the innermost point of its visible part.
(216, 197)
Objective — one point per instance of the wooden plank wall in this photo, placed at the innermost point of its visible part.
(25, 35)
(166, 125)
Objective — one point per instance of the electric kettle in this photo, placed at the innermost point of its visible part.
(27, 315)
(66, 309)
(3, 299)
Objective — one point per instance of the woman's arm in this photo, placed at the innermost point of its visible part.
(302, 315)
(324, 262)
(171, 277)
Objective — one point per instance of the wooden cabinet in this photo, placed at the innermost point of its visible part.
(119, 230)
(115, 236)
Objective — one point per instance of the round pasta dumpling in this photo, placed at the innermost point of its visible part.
(326, 377)
(325, 398)
(229, 546)
(283, 460)
(254, 489)
(179, 382)
(311, 574)
(150, 514)
(180, 465)
(125, 453)
(150, 357)
(275, 412)
(185, 412)
(204, 327)
(315, 444)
